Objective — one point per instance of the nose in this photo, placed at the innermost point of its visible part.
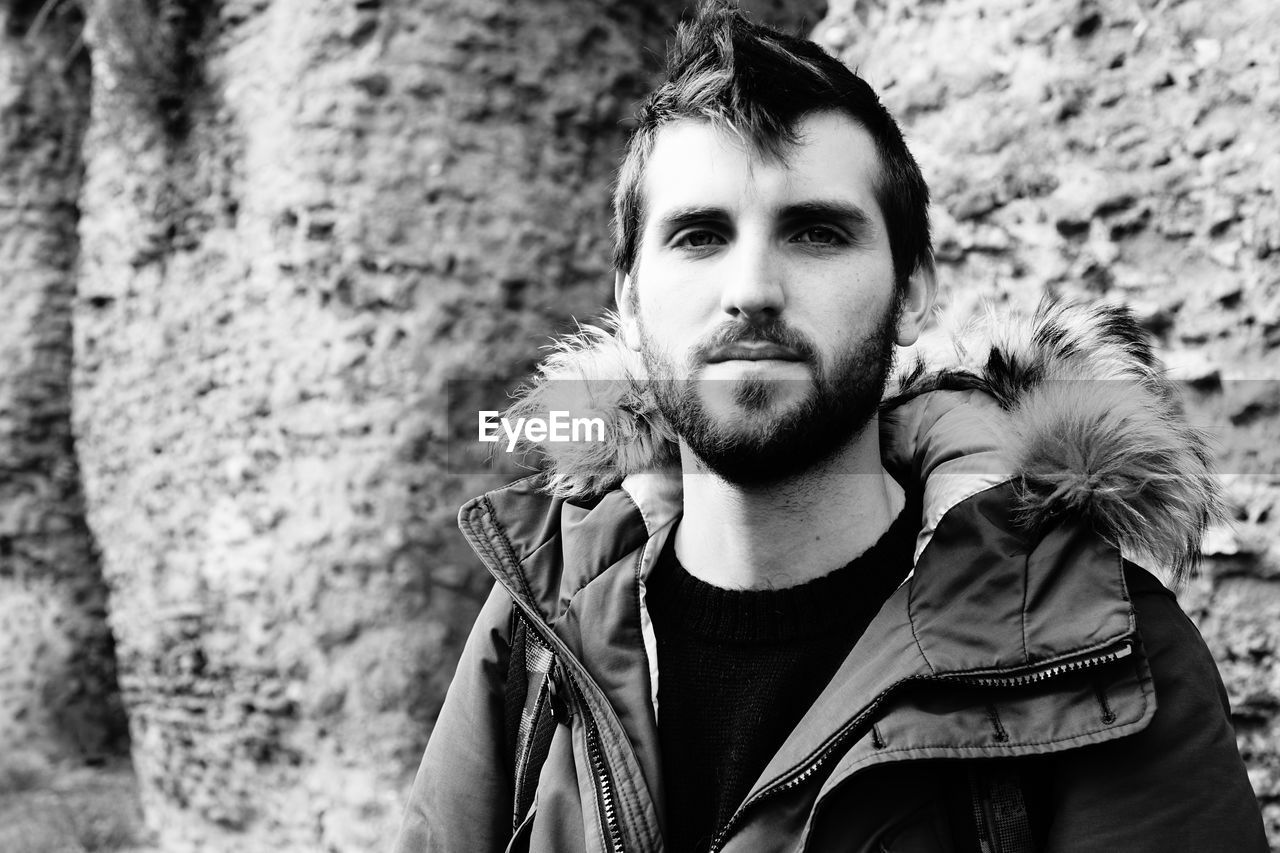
(754, 291)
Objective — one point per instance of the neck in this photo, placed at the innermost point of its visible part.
(785, 533)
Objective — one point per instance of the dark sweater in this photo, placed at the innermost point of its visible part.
(739, 668)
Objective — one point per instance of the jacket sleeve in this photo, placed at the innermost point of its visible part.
(1179, 785)
(461, 798)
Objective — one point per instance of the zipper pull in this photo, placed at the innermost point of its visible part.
(557, 695)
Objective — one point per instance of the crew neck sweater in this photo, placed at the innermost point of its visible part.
(739, 668)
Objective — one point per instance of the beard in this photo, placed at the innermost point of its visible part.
(754, 431)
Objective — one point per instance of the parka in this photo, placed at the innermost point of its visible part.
(1027, 643)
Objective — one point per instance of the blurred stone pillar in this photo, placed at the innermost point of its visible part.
(58, 695)
(299, 220)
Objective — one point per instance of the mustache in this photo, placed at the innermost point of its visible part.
(776, 333)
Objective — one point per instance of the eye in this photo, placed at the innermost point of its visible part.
(698, 238)
(818, 234)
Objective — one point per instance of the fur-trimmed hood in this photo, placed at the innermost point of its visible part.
(1069, 403)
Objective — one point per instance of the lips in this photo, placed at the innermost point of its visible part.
(752, 352)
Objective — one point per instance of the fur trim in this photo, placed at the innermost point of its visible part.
(1094, 429)
(592, 374)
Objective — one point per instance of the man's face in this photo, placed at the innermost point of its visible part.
(763, 297)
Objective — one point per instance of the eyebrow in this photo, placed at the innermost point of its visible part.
(848, 215)
(852, 217)
(683, 217)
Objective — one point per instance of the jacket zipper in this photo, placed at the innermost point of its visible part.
(798, 779)
(1037, 675)
(806, 771)
(610, 827)
(606, 798)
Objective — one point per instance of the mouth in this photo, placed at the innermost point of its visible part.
(752, 352)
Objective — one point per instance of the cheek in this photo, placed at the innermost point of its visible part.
(658, 331)
(848, 318)
(671, 310)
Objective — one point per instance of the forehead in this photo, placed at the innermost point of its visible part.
(697, 164)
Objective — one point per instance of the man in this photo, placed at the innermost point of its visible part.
(778, 611)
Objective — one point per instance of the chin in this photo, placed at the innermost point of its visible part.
(765, 440)
(751, 398)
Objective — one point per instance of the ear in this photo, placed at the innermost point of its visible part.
(625, 298)
(917, 303)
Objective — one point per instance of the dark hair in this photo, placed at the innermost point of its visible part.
(759, 83)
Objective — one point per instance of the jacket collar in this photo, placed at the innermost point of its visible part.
(1020, 429)
(1069, 404)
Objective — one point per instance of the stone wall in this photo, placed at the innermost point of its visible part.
(58, 696)
(300, 219)
(1119, 150)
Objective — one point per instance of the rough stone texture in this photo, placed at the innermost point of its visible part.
(73, 810)
(299, 220)
(58, 695)
(1120, 150)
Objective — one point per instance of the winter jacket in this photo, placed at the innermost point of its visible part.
(1023, 645)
